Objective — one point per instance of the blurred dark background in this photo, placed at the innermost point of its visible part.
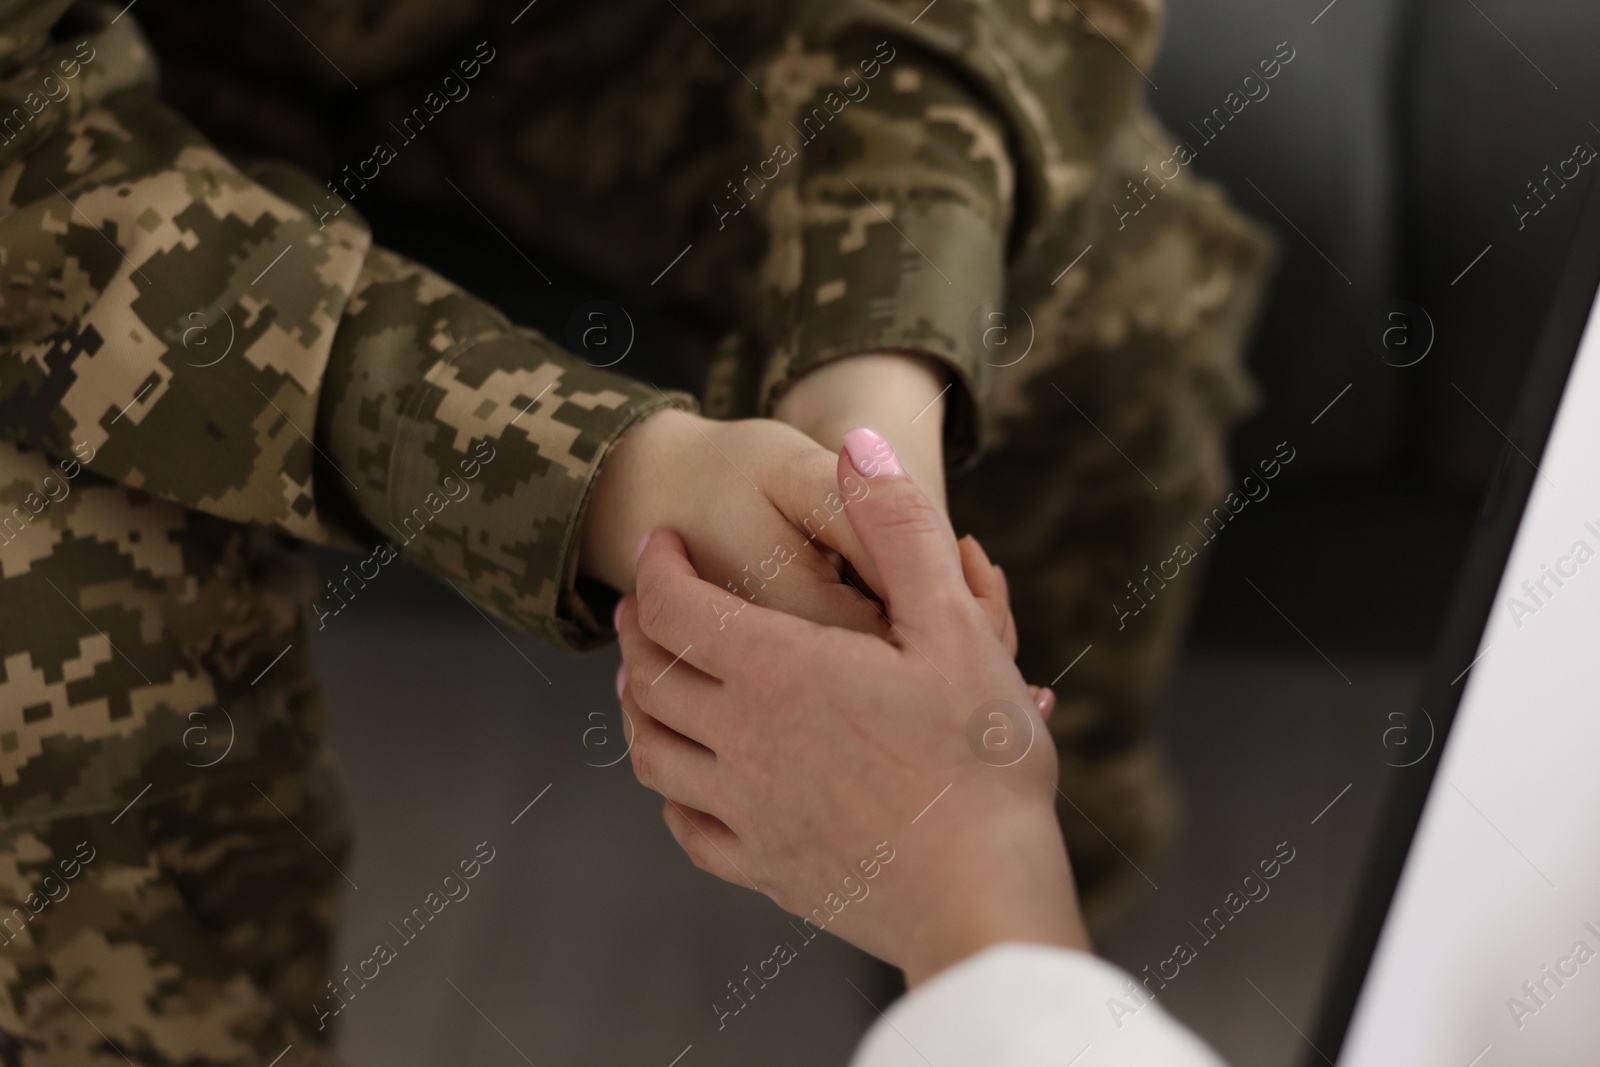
(1387, 158)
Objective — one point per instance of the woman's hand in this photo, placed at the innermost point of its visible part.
(897, 791)
(756, 504)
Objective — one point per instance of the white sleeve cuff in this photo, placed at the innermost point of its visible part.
(1031, 1006)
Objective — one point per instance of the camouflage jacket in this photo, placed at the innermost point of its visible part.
(834, 175)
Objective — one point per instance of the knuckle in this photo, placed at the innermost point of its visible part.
(679, 826)
(654, 606)
(643, 766)
(683, 830)
(734, 818)
(911, 515)
(699, 854)
(638, 688)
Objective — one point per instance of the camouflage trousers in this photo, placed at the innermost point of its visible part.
(1108, 442)
(165, 781)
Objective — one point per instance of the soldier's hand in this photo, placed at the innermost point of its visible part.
(988, 585)
(757, 506)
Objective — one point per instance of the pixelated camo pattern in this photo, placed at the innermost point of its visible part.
(198, 370)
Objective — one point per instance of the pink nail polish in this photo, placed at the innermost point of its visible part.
(616, 616)
(1046, 700)
(871, 454)
(645, 540)
(622, 681)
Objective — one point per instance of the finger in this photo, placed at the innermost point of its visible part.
(1008, 636)
(902, 533)
(821, 518)
(670, 764)
(676, 694)
(708, 842)
(984, 583)
(980, 574)
(710, 628)
(822, 595)
(807, 573)
(1044, 698)
(988, 584)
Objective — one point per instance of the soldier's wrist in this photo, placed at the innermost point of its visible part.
(626, 500)
(899, 394)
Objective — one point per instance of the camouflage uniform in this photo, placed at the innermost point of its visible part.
(204, 364)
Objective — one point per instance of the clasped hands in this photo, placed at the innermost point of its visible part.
(801, 736)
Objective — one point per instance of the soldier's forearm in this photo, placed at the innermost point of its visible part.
(899, 394)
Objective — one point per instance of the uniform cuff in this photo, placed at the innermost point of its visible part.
(492, 473)
(916, 287)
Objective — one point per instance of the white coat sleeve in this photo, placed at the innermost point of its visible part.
(1031, 1006)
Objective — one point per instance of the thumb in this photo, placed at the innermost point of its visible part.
(906, 539)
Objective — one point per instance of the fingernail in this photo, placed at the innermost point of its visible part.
(645, 540)
(622, 680)
(1045, 701)
(616, 616)
(871, 454)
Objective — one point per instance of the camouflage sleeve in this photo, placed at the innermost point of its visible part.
(471, 444)
(947, 137)
(891, 232)
(175, 325)
(813, 179)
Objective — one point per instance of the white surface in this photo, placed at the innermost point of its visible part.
(1030, 1006)
(1504, 873)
